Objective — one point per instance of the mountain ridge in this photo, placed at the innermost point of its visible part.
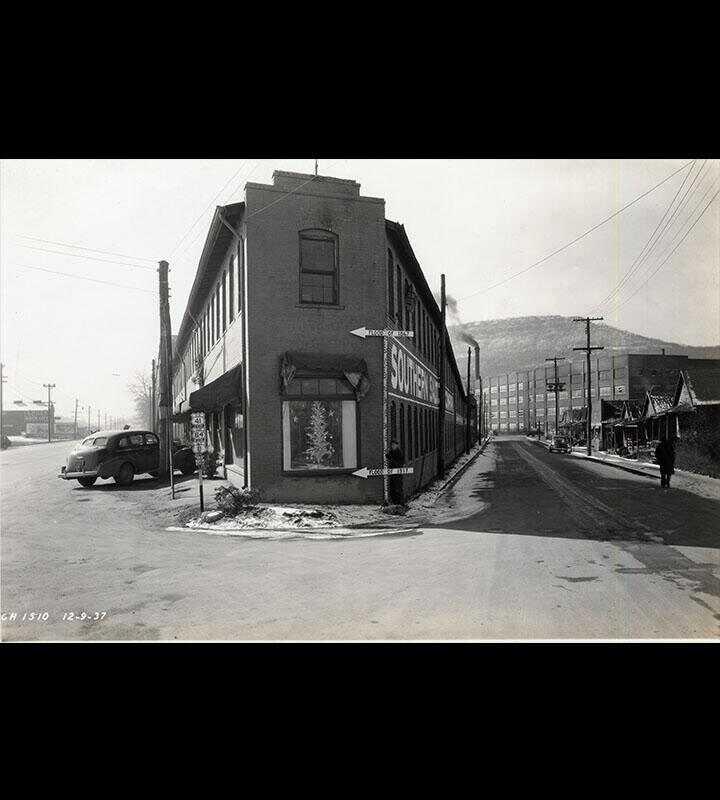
(517, 343)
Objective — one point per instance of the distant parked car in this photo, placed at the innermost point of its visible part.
(559, 444)
(121, 455)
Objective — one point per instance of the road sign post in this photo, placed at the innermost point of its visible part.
(199, 445)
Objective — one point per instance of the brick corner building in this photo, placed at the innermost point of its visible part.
(294, 401)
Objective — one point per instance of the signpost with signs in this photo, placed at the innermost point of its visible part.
(198, 436)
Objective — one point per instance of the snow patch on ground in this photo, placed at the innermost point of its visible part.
(266, 520)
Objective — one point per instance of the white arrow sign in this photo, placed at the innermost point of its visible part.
(372, 473)
(363, 332)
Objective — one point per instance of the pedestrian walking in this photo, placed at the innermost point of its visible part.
(665, 456)
(395, 458)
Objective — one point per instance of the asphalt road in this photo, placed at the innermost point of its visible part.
(542, 546)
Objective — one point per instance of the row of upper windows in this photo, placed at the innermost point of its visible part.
(406, 310)
(224, 304)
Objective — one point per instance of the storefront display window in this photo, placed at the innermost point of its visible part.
(319, 425)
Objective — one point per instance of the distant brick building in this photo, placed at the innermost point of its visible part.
(518, 402)
(296, 402)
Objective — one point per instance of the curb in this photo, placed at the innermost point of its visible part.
(633, 470)
(456, 477)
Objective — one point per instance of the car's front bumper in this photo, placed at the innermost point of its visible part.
(71, 476)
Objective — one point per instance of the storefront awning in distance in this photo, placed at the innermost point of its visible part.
(218, 393)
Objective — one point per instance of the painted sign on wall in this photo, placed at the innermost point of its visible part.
(410, 378)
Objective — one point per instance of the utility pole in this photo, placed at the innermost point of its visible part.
(50, 386)
(441, 373)
(98, 413)
(556, 387)
(152, 400)
(165, 408)
(88, 429)
(467, 425)
(76, 410)
(588, 350)
(2, 380)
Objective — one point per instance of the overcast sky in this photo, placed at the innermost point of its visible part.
(479, 222)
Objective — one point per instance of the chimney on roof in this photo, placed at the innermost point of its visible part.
(663, 351)
(477, 362)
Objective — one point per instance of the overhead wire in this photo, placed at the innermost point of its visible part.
(685, 235)
(641, 260)
(88, 249)
(645, 251)
(91, 258)
(83, 278)
(578, 238)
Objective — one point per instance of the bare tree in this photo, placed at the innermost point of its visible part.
(140, 388)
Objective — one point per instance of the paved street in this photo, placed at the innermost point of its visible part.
(541, 546)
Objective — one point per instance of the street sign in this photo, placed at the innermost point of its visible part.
(374, 473)
(364, 332)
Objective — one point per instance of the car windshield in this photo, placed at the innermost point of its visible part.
(88, 442)
(101, 441)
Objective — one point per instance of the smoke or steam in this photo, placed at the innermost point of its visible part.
(451, 306)
(464, 336)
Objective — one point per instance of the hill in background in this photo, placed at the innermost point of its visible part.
(507, 345)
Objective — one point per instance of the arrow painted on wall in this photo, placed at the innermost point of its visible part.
(363, 332)
(373, 473)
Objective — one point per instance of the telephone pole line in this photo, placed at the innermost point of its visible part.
(2, 380)
(441, 373)
(588, 349)
(166, 405)
(50, 386)
(152, 400)
(556, 387)
(76, 410)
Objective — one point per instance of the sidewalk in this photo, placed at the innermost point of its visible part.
(701, 485)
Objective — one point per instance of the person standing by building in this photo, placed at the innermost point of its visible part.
(665, 456)
(395, 458)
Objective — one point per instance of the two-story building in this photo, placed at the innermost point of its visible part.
(271, 346)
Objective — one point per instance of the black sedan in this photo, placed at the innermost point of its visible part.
(121, 455)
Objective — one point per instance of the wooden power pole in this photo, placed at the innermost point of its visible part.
(467, 421)
(556, 387)
(588, 350)
(165, 405)
(441, 374)
(153, 423)
(76, 410)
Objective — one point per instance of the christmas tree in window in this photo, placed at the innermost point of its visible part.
(320, 448)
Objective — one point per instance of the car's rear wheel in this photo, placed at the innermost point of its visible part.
(86, 482)
(125, 475)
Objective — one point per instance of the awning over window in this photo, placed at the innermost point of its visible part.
(218, 393)
(324, 364)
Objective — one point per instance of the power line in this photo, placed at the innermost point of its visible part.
(637, 264)
(640, 257)
(88, 249)
(662, 263)
(578, 238)
(84, 278)
(91, 258)
(225, 185)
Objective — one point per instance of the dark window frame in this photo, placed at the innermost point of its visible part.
(287, 397)
(231, 288)
(322, 235)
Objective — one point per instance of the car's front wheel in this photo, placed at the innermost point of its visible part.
(125, 475)
(86, 482)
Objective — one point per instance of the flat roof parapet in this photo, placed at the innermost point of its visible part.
(315, 184)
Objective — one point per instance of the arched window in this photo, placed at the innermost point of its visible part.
(393, 422)
(402, 431)
(318, 267)
(410, 451)
(416, 440)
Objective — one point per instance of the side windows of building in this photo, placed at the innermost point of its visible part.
(391, 284)
(319, 284)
